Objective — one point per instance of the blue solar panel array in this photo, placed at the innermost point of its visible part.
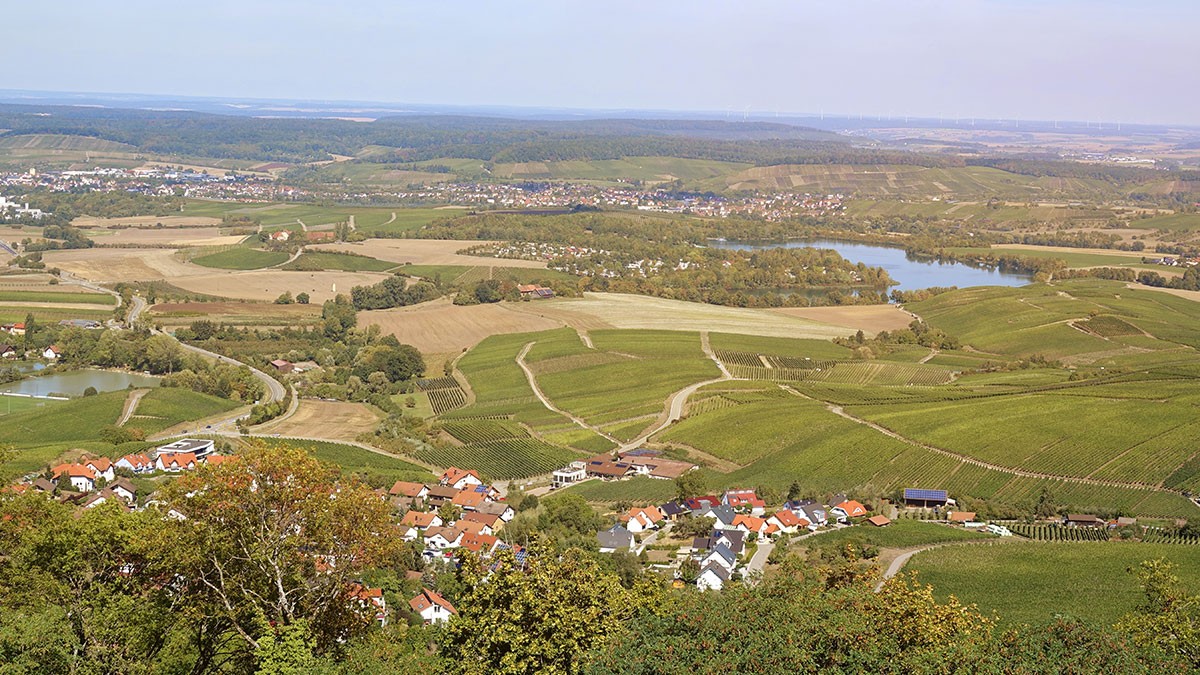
(925, 495)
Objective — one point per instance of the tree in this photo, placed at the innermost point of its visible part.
(338, 317)
(285, 298)
(689, 571)
(302, 298)
(1168, 618)
(690, 484)
(536, 620)
(275, 537)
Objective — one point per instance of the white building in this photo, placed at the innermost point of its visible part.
(574, 473)
(197, 447)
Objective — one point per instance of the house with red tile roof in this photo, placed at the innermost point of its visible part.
(431, 607)
(80, 477)
(101, 466)
(642, 518)
(741, 500)
(175, 462)
(460, 479)
(370, 599)
(493, 523)
(483, 544)
(847, 510)
(410, 490)
(136, 463)
(468, 500)
(787, 521)
(422, 520)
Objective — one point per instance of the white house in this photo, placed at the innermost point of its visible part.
(573, 473)
(500, 509)
(460, 479)
(136, 463)
(79, 476)
(712, 577)
(199, 448)
(441, 538)
(432, 607)
(640, 519)
(123, 488)
(51, 352)
(102, 467)
(720, 555)
(175, 462)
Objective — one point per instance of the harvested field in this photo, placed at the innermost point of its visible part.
(37, 282)
(122, 264)
(618, 310)
(1136, 255)
(87, 222)
(237, 313)
(333, 420)
(176, 236)
(425, 252)
(270, 284)
(867, 318)
(440, 327)
(1190, 295)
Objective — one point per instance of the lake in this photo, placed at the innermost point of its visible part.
(73, 383)
(912, 274)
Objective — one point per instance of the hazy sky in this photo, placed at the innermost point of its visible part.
(1116, 60)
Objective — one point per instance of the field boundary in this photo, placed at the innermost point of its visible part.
(841, 412)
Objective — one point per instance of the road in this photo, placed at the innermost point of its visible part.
(275, 390)
(131, 404)
(759, 561)
(545, 401)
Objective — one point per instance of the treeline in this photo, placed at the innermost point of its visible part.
(394, 291)
(115, 204)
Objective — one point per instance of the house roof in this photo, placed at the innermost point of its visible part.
(961, 516)
(419, 518)
(73, 471)
(489, 519)
(138, 460)
(100, 464)
(427, 598)
(177, 458)
(219, 459)
(124, 483)
(697, 503)
(673, 509)
(478, 542)
(725, 552)
(722, 573)
(468, 498)
(455, 474)
(751, 523)
(609, 468)
(880, 521)
(406, 489)
(649, 514)
(787, 518)
(492, 508)
(919, 494)
(1084, 518)
(852, 508)
(615, 537)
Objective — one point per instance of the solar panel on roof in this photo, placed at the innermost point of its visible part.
(928, 495)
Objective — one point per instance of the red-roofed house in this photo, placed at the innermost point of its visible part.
(135, 463)
(79, 476)
(492, 522)
(787, 521)
(642, 518)
(483, 544)
(409, 490)
(748, 524)
(879, 521)
(421, 520)
(370, 599)
(847, 510)
(432, 607)
(468, 500)
(460, 479)
(744, 499)
(102, 466)
(175, 462)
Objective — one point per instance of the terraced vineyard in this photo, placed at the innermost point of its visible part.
(1157, 535)
(483, 431)
(503, 459)
(444, 394)
(1057, 532)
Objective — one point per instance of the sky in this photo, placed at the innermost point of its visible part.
(1108, 60)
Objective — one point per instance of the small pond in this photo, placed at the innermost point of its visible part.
(74, 383)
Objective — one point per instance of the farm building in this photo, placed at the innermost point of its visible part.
(879, 521)
(573, 473)
(1084, 520)
(195, 446)
(282, 366)
(924, 498)
(535, 291)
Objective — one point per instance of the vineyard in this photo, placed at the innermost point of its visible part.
(1045, 532)
(444, 394)
(503, 459)
(794, 369)
(484, 431)
(1158, 535)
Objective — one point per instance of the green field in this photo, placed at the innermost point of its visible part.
(466, 274)
(321, 260)
(642, 490)
(900, 534)
(1072, 258)
(1031, 582)
(374, 467)
(42, 434)
(10, 405)
(241, 258)
(53, 297)
(164, 407)
(1176, 222)
(44, 315)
